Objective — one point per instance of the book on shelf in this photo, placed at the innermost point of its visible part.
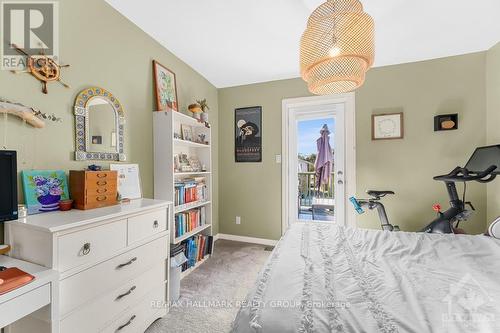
(190, 190)
(195, 249)
(189, 220)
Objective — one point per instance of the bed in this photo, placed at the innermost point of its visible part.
(322, 277)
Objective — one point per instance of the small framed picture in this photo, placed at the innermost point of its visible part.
(387, 126)
(97, 140)
(187, 132)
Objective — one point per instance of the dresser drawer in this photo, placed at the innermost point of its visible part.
(139, 318)
(98, 176)
(24, 304)
(100, 200)
(101, 190)
(108, 307)
(98, 280)
(146, 225)
(109, 184)
(91, 245)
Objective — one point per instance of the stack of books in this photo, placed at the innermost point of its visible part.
(196, 249)
(189, 220)
(190, 190)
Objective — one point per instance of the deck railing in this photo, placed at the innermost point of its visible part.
(308, 190)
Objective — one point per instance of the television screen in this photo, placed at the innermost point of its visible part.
(8, 185)
(483, 158)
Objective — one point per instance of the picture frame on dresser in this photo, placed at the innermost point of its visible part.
(43, 189)
(129, 180)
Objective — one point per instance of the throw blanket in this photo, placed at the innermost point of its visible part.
(326, 278)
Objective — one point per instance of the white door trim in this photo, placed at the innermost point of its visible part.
(350, 149)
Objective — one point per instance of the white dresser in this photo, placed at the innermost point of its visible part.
(113, 265)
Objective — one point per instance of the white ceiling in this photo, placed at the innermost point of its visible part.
(236, 42)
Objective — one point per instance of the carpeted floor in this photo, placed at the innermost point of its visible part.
(209, 294)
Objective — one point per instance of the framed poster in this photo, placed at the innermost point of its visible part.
(165, 88)
(387, 126)
(248, 134)
(129, 181)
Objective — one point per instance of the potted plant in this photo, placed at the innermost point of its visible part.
(196, 110)
(204, 108)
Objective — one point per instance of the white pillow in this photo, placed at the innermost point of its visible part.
(494, 229)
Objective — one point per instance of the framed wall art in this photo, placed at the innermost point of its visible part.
(43, 189)
(387, 126)
(248, 134)
(165, 88)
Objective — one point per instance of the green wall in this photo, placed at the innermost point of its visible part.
(423, 89)
(493, 120)
(104, 49)
(113, 53)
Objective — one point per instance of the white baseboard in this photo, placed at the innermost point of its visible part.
(244, 239)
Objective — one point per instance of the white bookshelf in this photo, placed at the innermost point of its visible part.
(166, 146)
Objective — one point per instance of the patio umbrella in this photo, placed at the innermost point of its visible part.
(324, 159)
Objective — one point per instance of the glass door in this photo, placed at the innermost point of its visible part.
(317, 164)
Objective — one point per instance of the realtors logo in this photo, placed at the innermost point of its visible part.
(32, 26)
(469, 304)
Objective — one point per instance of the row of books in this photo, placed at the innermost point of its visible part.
(189, 220)
(190, 190)
(195, 249)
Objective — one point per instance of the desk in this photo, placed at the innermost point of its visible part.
(31, 297)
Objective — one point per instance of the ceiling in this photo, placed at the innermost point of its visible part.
(236, 42)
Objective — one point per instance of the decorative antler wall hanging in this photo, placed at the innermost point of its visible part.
(42, 68)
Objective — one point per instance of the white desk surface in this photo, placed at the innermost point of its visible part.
(43, 275)
(60, 221)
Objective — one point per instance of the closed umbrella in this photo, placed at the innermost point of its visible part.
(324, 159)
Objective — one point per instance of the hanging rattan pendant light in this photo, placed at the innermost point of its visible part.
(337, 48)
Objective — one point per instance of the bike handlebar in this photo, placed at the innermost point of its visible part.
(463, 175)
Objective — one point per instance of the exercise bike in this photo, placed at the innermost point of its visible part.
(374, 203)
(446, 222)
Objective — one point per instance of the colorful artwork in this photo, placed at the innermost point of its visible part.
(44, 189)
(165, 88)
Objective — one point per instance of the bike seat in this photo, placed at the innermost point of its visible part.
(378, 194)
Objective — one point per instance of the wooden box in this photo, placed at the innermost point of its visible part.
(93, 189)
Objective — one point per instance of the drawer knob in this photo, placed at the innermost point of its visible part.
(102, 190)
(86, 249)
(102, 182)
(101, 175)
(126, 324)
(101, 198)
(155, 224)
(119, 297)
(130, 262)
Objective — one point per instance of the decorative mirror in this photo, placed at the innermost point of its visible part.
(100, 121)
